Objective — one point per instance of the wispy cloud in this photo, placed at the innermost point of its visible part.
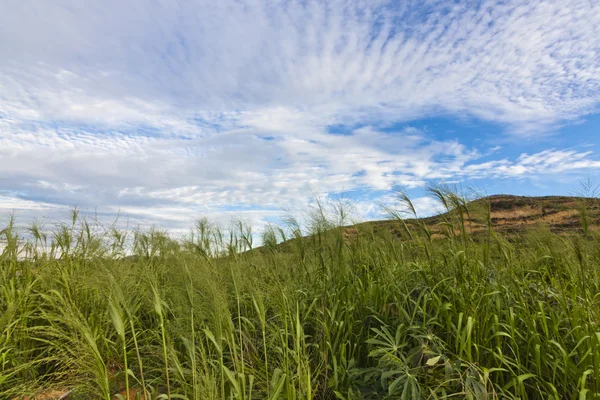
(177, 179)
(158, 109)
(520, 63)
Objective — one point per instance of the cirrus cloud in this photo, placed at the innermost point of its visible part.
(167, 110)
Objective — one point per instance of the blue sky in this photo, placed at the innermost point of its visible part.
(166, 111)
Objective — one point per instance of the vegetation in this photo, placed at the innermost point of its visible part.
(426, 310)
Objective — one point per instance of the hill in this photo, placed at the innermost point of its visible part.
(507, 214)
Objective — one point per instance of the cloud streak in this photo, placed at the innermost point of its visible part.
(517, 63)
(173, 179)
(168, 110)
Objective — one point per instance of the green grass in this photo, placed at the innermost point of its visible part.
(376, 316)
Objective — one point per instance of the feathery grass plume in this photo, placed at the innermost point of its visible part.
(451, 306)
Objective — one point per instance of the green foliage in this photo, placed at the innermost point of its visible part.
(368, 316)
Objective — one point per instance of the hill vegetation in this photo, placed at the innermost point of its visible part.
(496, 298)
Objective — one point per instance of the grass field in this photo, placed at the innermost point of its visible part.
(456, 306)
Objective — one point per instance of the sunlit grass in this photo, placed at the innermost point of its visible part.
(377, 315)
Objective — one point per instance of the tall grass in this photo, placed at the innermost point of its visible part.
(379, 314)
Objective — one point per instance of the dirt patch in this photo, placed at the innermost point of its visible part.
(48, 395)
(134, 394)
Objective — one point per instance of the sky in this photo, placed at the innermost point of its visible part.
(164, 111)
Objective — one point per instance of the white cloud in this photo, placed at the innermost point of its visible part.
(173, 181)
(168, 111)
(522, 63)
(547, 162)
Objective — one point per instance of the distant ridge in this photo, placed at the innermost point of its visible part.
(514, 214)
(510, 216)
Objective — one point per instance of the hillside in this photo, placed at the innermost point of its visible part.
(508, 214)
